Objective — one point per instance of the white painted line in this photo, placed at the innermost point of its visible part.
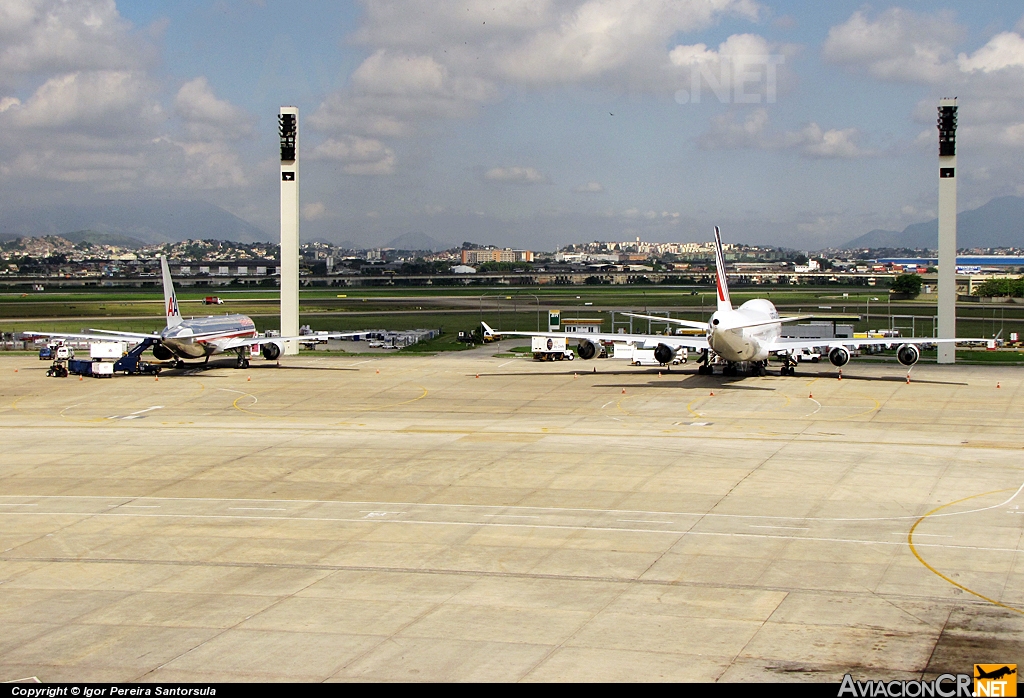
(149, 409)
(255, 509)
(498, 524)
(515, 516)
(644, 521)
(140, 506)
(607, 403)
(791, 528)
(433, 505)
(919, 535)
(19, 505)
(361, 362)
(816, 403)
(506, 363)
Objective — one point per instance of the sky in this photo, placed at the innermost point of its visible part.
(531, 123)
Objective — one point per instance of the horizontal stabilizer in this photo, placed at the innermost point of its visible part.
(683, 323)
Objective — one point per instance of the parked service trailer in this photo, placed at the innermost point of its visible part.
(550, 349)
(108, 350)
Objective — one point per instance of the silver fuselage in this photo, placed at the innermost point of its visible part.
(196, 338)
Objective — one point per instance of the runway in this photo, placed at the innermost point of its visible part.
(467, 517)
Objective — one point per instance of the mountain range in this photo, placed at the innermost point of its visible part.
(143, 221)
(999, 223)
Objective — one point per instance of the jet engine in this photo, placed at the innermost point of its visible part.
(270, 351)
(908, 354)
(664, 354)
(839, 356)
(162, 353)
(587, 349)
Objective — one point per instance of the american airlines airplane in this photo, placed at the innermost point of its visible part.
(741, 337)
(199, 338)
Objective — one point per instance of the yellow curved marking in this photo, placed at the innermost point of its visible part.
(877, 407)
(910, 542)
(242, 409)
(81, 421)
(689, 407)
(395, 404)
(618, 405)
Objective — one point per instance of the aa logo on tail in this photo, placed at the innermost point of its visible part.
(995, 680)
(172, 306)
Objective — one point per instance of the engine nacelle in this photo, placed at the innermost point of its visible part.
(664, 354)
(908, 354)
(270, 351)
(162, 353)
(587, 349)
(839, 356)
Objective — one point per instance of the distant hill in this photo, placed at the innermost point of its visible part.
(144, 221)
(96, 238)
(999, 223)
(415, 241)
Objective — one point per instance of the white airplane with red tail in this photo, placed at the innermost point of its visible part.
(743, 337)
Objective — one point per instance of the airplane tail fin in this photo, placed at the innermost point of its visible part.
(724, 302)
(170, 300)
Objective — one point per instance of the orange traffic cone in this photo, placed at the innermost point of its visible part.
(156, 378)
(79, 378)
(478, 375)
(997, 386)
(810, 396)
(840, 374)
(623, 391)
(712, 394)
(248, 379)
(378, 370)
(908, 379)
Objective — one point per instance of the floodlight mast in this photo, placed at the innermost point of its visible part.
(288, 129)
(947, 228)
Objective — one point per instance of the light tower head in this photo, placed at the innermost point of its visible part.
(947, 127)
(288, 128)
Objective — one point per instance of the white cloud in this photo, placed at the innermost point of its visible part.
(898, 45)
(99, 102)
(208, 118)
(726, 134)
(1005, 50)
(46, 36)
(361, 156)
(589, 188)
(94, 116)
(515, 175)
(813, 141)
(754, 133)
(433, 60)
(313, 211)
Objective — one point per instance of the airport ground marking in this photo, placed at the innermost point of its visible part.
(913, 548)
(435, 505)
(495, 524)
(378, 408)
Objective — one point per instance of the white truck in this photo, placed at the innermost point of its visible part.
(550, 349)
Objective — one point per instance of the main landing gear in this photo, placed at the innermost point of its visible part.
(242, 361)
(788, 366)
(704, 369)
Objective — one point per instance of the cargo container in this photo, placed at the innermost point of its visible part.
(107, 350)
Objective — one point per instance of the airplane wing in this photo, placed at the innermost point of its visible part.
(306, 338)
(646, 340)
(784, 345)
(675, 321)
(106, 336)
